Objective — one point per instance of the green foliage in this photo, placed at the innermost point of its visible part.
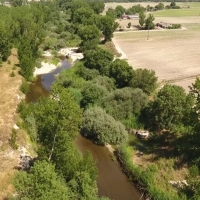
(41, 182)
(122, 72)
(14, 67)
(89, 35)
(98, 59)
(92, 94)
(13, 139)
(83, 16)
(105, 81)
(169, 107)
(12, 74)
(1, 62)
(97, 6)
(149, 22)
(119, 11)
(108, 26)
(135, 9)
(142, 17)
(16, 3)
(125, 102)
(30, 125)
(160, 6)
(144, 79)
(175, 26)
(53, 116)
(5, 37)
(145, 178)
(173, 3)
(102, 128)
(132, 122)
(70, 77)
(24, 86)
(111, 13)
(86, 73)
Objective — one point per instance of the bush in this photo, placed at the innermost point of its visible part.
(87, 74)
(100, 127)
(12, 74)
(145, 178)
(13, 139)
(14, 67)
(9, 62)
(92, 94)
(24, 87)
(1, 62)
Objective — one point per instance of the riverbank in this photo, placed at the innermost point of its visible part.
(45, 68)
(9, 120)
(152, 176)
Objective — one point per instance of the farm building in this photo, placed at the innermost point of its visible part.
(124, 16)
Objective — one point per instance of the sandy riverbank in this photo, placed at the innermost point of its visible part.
(46, 68)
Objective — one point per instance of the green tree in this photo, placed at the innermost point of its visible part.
(111, 13)
(142, 17)
(26, 59)
(99, 59)
(102, 128)
(16, 3)
(86, 73)
(57, 119)
(124, 103)
(92, 93)
(168, 108)
(6, 32)
(90, 36)
(122, 72)
(41, 183)
(149, 22)
(173, 3)
(108, 26)
(144, 79)
(97, 5)
(83, 16)
(105, 81)
(119, 11)
(160, 6)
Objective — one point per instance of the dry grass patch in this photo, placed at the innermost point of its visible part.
(9, 88)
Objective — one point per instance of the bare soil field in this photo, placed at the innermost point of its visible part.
(173, 54)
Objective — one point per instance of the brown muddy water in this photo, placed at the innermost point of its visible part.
(111, 181)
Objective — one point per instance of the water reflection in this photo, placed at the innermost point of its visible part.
(42, 85)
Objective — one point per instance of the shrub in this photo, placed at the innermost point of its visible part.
(102, 128)
(13, 139)
(24, 87)
(12, 74)
(14, 67)
(1, 62)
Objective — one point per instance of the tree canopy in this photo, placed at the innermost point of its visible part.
(102, 128)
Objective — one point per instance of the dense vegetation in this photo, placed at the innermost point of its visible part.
(100, 96)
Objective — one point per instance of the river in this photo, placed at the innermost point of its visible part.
(111, 181)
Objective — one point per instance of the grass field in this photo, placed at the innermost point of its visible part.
(173, 54)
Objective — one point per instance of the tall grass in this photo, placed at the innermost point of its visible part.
(145, 178)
